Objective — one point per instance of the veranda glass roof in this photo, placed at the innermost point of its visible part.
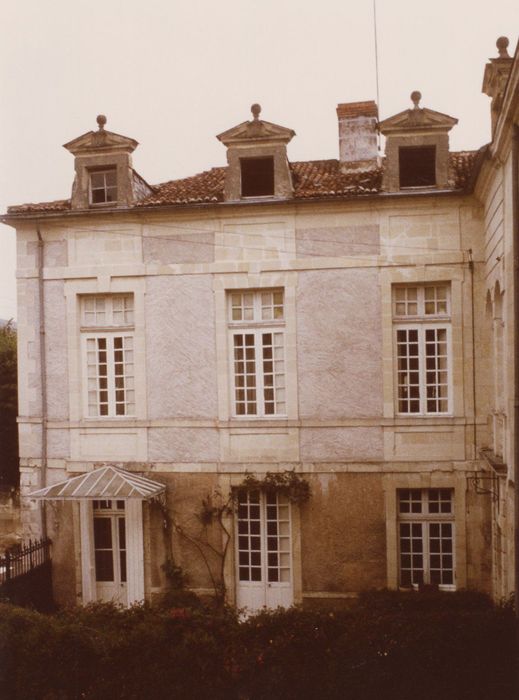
(102, 484)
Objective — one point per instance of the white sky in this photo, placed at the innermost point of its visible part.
(174, 73)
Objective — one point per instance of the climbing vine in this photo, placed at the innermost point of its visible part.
(214, 512)
(288, 483)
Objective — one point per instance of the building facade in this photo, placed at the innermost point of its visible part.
(329, 322)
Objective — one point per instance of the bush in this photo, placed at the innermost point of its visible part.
(388, 646)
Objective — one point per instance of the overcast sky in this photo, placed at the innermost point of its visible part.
(172, 74)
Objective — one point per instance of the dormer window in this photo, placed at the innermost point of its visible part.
(417, 149)
(103, 186)
(257, 158)
(417, 166)
(257, 177)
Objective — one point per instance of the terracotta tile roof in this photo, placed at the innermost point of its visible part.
(358, 109)
(204, 187)
(462, 166)
(312, 179)
(323, 178)
(57, 205)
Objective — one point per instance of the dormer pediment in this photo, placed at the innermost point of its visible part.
(256, 130)
(101, 141)
(417, 119)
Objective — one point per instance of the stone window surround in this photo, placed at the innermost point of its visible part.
(224, 283)
(86, 164)
(257, 327)
(283, 187)
(421, 275)
(427, 480)
(393, 145)
(76, 288)
(424, 519)
(422, 322)
(227, 484)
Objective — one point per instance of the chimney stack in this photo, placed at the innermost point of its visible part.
(358, 148)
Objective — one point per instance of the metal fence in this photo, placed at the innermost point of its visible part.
(23, 559)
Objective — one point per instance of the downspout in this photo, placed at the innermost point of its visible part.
(43, 380)
(515, 248)
(473, 329)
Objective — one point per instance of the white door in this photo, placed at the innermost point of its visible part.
(263, 550)
(110, 551)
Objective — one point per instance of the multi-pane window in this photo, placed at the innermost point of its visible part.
(103, 186)
(110, 541)
(421, 318)
(426, 537)
(108, 341)
(263, 525)
(257, 338)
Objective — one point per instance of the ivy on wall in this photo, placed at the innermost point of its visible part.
(215, 510)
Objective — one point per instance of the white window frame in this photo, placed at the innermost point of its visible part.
(418, 316)
(105, 188)
(115, 322)
(424, 520)
(256, 327)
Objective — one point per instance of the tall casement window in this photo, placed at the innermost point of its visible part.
(110, 541)
(421, 319)
(426, 537)
(257, 343)
(107, 329)
(263, 549)
(103, 186)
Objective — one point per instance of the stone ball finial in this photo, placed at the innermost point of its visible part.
(502, 46)
(416, 96)
(256, 111)
(101, 121)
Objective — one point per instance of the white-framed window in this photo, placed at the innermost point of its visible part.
(263, 537)
(110, 541)
(421, 320)
(103, 186)
(426, 537)
(107, 329)
(257, 342)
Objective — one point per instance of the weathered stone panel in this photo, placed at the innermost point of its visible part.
(343, 534)
(338, 241)
(180, 347)
(56, 350)
(339, 344)
(337, 444)
(183, 445)
(185, 247)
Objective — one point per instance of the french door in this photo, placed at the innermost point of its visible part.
(263, 550)
(110, 551)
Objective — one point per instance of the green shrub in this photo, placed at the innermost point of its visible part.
(387, 646)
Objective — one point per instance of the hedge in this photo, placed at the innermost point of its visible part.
(387, 646)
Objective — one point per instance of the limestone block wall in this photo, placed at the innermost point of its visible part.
(336, 265)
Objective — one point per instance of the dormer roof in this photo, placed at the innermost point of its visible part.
(100, 141)
(256, 130)
(417, 119)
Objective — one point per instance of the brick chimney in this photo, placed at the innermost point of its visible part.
(358, 148)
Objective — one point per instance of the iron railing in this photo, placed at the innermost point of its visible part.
(22, 559)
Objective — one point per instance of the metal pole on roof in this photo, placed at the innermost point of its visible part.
(376, 61)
